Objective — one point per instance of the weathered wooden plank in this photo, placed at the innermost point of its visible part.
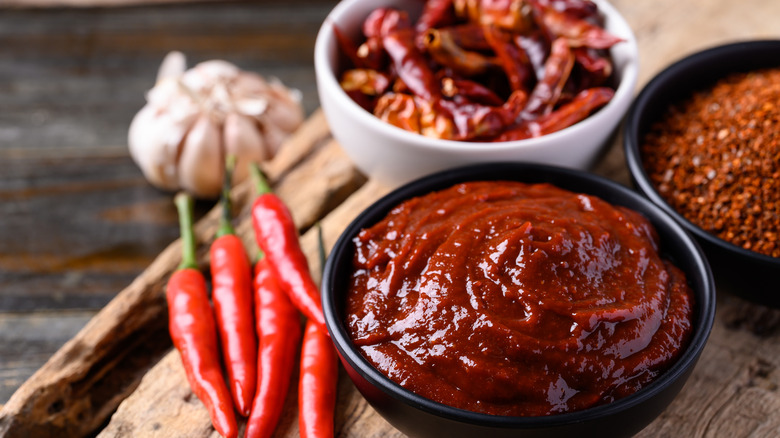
(71, 81)
(74, 77)
(30, 339)
(163, 389)
(76, 390)
(734, 390)
(110, 224)
(105, 3)
(162, 404)
(88, 3)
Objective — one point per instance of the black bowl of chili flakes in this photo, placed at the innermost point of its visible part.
(702, 140)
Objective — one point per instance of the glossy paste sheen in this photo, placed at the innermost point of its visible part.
(514, 299)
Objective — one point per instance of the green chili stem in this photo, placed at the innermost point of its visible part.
(225, 226)
(184, 205)
(261, 184)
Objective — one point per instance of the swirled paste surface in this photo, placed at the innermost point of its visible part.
(514, 299)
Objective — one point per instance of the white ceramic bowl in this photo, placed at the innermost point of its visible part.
(395, 156)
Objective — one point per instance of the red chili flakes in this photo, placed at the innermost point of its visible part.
(715, 158)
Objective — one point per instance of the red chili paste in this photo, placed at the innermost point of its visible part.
(514, 299)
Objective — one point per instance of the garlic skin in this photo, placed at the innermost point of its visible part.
(194, 118)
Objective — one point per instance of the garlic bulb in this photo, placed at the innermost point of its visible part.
(194, 118)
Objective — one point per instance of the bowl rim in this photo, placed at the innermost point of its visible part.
(631, 143)
(623, 93)
(704, 307)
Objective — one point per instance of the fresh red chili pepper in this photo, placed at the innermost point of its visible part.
(277, 236)
(279, 331)
(192, 328)
(231, 282)
(317, 384)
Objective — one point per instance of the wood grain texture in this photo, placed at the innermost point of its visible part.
(79, 222)
(46, 127)
(82, 384)
(71, 80)
(88, 3)
(135, 415)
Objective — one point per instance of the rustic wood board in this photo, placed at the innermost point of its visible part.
(62, 396)
(119, 376)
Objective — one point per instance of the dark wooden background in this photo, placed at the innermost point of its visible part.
(77, 219)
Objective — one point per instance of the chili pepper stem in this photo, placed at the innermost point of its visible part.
(225, 226)
(261, 183)
(184, 206)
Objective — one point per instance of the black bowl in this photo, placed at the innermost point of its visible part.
(419, 417)
(742, 272)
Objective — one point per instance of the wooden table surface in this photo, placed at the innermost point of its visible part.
(77, 219)
(78, 222)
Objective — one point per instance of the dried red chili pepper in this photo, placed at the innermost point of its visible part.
(514, 61)
(231, 292)
(444, 50)
(277, 236)
(584, 9)
(399, 110)
(556, 72)
(578, 32)
(349, 49)
(435, 13)
(599, 67)
(384, 21)
(506, 14)
(317, 384)
(468, 36)
(279, 331)
(367, 81)
(364, 86)
(471, 91)
(555, 48)
(536, 47)
(193, 330)
(380, 22)
(410, 65)
(473, 120)
(575, 110)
